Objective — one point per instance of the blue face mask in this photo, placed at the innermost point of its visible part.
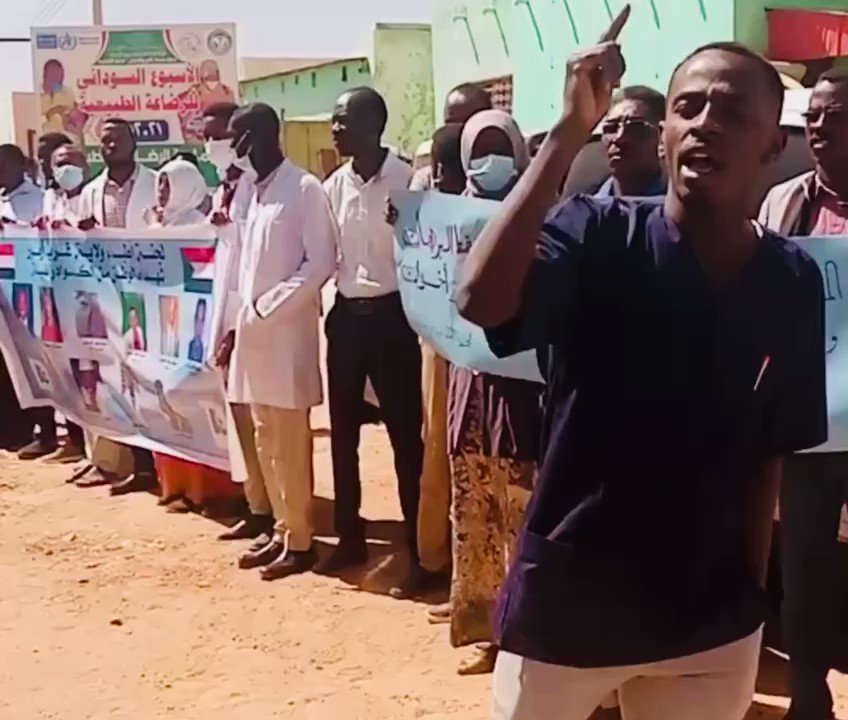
(56, 87)
(492, 173)
(68, 177)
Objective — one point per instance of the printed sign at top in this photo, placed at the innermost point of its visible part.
(160, 78)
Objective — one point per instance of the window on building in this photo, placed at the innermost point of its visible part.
(282, 86)
(314, 79)
(297, 79)
(255, 91)
(344, 73)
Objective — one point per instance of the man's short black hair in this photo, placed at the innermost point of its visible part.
(220, 111)
(770, 76)
(12, 153)
(260, 117)
(369, 100)
(123, 123)
(476, 93)
(54, 140)
(652, 99)
(119, 121)
(836, 76)
(446, 148)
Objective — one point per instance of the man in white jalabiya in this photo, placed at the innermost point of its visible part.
(288, 253)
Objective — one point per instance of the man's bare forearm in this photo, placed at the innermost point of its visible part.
(489, 291)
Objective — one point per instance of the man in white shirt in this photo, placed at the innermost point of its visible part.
(67, 170)
(368, 335)
(230, 204)
(288, 253)
(119, 198)
(20, 202)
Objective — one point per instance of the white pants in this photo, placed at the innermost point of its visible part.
(713, 685)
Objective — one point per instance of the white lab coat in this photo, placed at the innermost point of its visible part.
(226, 301)
(288, 253)
(142, 199)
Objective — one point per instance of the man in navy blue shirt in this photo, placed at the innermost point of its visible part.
(687, 359)
(630, 135)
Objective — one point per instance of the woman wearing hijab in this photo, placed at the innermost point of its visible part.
(493, 429)
(185, 485)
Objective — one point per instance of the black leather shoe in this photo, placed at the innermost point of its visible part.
(38, 448)
(291, 562)
(248, 529)
(263, 556)
(138, 482)
(419, 582)
(346, 555)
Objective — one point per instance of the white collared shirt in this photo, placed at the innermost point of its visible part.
(24, 203)
(366, 244)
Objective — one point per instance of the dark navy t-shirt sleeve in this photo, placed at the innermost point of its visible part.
(799, 412)
(550, 285)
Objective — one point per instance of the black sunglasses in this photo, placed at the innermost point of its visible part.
(633, 127)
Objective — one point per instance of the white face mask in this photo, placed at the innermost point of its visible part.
(492, 173)
(68, 177)
(244, 163)
(221, 155)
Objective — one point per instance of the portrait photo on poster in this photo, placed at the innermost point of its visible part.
(134, 323)
(88, 316)
(169, 325)
(86, 374)
(51, 330)
(22, 299)
(196, 346)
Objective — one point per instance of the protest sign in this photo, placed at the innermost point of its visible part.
(158, 78)
(435, 232)
(831, 255)
(433, 235)
(112, 329)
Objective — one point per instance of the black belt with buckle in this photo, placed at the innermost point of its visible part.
(370, 305)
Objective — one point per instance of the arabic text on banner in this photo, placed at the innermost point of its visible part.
(435, 232)
(112, 328)
(158, 78)
(433, 235)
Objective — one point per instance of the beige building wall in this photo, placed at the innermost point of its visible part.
(24, 116)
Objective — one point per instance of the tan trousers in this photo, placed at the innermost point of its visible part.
(284, 445)
(713, 685)
(254, 483)
(434, 506)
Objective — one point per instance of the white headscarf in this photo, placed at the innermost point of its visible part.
(188, 191)
(479, 122)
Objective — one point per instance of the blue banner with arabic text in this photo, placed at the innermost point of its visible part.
(434, 234)
(113, 328)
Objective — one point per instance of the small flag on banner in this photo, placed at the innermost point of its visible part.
(198, 269)
(7, 261)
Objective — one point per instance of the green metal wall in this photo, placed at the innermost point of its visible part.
(310, 92)
(403, 74)
(532, 39)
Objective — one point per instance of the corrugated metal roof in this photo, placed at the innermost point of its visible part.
(255, 68)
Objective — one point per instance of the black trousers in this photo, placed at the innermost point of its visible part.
(143, 461)
(371, 338)
(45, 418)
(813, 491)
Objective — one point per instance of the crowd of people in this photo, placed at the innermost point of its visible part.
(622, 512)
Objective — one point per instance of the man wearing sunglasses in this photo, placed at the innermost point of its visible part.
(815, 484)
(631, 139)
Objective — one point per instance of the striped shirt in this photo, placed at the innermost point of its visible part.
(116, 198)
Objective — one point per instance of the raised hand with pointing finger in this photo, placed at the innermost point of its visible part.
(593, 74)
(491, 287)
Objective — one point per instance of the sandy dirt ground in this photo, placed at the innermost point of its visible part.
(111, 608)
